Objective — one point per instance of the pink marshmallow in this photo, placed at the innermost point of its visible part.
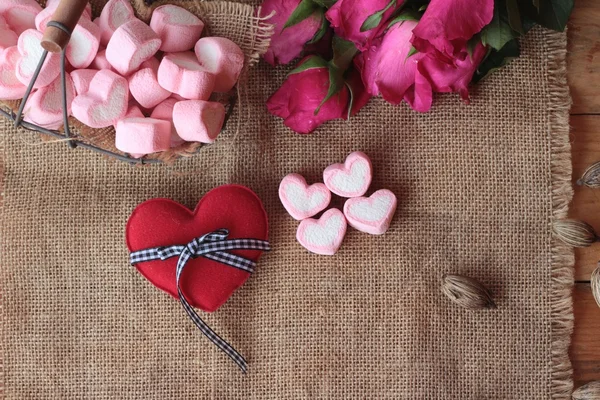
(141, 136)
(223, 58)
(114, 14)
(324, 235)
(7, 38)
(83, 45)
(45, 108)
(350, 179)
(178, 28)
(182, 74)
(20, 14)
(300, 200)
(3, 23)
(10, 87)
(131, 44)
(371, 214)
(134, 111)
(164, 111)
(31, 51)
(100, 61)
(105, 103)
(144, 86)
(45, 16)
(198, 120)
(82, 79)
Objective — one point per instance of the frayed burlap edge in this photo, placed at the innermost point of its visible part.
(254, 43)
(563, 260)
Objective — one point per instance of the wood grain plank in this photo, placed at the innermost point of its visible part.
(585, 133)
(585, 346)
(584, 57)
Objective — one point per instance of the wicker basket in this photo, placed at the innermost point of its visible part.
(238, 22)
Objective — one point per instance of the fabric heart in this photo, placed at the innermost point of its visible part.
(206, 284)
(350, 179)
(325, 235)
(301, 200)
(371, 214)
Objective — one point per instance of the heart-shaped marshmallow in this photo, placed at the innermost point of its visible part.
(31, 50)
(131, 44)
(223, 58)
(7, 38)
(371, 214)
(350, 179)
(144, 86)
(106, 101)
(181, 73)
(45, 16)
(20, 14)
(45, 108)
(114, 14)
(10, 87)
(301, 200)
(141, 136)
(134, 111)
(206, 284)
(100, 62)
(83, 45)
(198, 120)
(178, 28)
(325, 235)
(82, 79)
(164, 111)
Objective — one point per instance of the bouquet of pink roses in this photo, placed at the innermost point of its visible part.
(402, 50)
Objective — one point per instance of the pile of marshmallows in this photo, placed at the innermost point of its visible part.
(120, 71)
(351, 179)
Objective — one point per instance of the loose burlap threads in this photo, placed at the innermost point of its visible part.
(478, 188)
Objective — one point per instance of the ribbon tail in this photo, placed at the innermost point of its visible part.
(213, 336)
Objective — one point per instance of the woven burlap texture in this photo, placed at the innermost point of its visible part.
(478, 188)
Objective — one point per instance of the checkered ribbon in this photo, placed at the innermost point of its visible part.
(214, 246)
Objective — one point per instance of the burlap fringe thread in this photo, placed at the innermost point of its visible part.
(562, 193)
(254, 40)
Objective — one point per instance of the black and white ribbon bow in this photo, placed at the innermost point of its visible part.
(214, 246)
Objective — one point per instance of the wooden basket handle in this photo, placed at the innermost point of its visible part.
(67, 14)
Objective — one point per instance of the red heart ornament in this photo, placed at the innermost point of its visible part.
(206, 284)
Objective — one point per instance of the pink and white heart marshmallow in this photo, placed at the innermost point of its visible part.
(302, 200)
(350, 179)
(324, 235)
(371, 214)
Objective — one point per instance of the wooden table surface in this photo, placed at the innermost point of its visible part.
(584, 80)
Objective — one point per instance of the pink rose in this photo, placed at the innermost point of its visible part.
(287, 44)
(348, 16)
(447, 25)
(386, 70)
(452, 77)
(301, 94)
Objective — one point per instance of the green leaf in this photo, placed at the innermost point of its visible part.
(322, 30)
(472, 43)
(412, 51)
(325, 3)
(552, 14)
(310, 63)
(374, 20)
(303, 11)
(497, 59)
(497, 33)
(514, 16)
(406, 15)
(343, 53)
(423, 7)
(336, 83)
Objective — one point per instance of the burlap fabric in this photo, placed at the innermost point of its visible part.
(478, 187)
